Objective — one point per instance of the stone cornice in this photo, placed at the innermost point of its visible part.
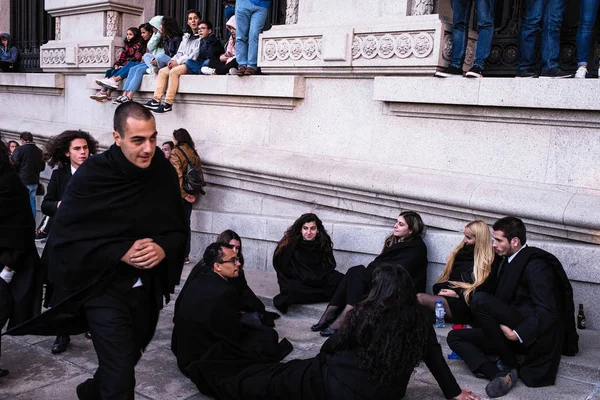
(61, 10)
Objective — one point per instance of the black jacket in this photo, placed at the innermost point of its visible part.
(210, 48)
(28, 162)
(56, 189)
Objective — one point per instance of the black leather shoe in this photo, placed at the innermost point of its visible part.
(88, 335)
(318, 327)
(88, 390)
(60, 344)
(327, 332)
(3, 372)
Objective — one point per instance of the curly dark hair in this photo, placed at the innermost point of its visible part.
(229, 235)
(294, 232)
(4, 152)
(170, 28)
(387, 330)
(56, 148)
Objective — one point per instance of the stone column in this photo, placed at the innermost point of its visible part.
(4, 16)
(89, 33)
(376, 37)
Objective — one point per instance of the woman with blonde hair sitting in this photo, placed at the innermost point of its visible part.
(468, 267)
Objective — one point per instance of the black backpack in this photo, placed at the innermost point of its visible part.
(193, 179)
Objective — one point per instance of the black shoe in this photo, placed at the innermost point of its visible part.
(319, 327)
(475, 72)
(450, 72)
(152, 104)
(163, 108)
(327, 332)
(527, 74)
(60, 344)
(502, 384)
(3, 372)
(555, 73)
(88, 335)
(41, 235)
(88, 390)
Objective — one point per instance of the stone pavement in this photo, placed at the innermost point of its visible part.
(37, 374)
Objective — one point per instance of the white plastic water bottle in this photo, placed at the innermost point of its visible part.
(439, 314)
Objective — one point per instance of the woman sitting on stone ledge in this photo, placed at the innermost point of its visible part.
(467, 269)
(305, 264)
(404, 247)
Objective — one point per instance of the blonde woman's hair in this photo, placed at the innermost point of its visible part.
(484, 257)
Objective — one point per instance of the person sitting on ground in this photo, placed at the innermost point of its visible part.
(305, 264)
(29, 163)
(9, 54)
(403, 247)
(67, 151)
(12, 145)
(20, 274)
(530, 312)
(184, 153)
(350, 364)
(167, 147)
(250, 18)
(227, 60)
(168, 77)
(468, 267)
(209, 49)
(154, 48)
(134, 49)
(208, 320)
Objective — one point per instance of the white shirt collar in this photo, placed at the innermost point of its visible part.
(72, 169)
(514, 255)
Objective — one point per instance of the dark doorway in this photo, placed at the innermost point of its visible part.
(31, 27)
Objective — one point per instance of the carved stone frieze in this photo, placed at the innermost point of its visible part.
(388, 45)
(57, 28)
(291, 12)
(93, 55)
(113, 23)
(447, 49)
(422, 7)
(292, 48)
(53, 56)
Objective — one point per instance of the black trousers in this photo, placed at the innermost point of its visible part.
(6, 305)
(222, 68)
(187, 210)
(122, 325)
(352, 289)
(472, 345)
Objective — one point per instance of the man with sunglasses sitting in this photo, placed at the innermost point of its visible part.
(209, 325)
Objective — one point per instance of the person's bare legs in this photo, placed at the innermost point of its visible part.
(429, 301)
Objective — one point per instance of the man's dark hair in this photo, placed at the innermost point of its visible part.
(170, 143)
(26, 136)
(127, 110)
(182, 136)
(208, 24)
(214, 253)
(56, 147)
(511, 227)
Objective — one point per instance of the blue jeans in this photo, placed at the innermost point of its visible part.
(134, 80)
(544, 15)
(162, 60)
(249, 20)
(588, 11)
(461, 11)
(124, 72)
(194, 67)
(32, 191)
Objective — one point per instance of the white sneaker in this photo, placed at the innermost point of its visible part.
(581, 72)
(207, 70)
(108, 83)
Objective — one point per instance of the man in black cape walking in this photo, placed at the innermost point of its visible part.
(116, 250)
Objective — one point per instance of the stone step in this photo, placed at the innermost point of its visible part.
(585, 366)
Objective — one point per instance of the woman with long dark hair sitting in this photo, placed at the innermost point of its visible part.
(403, 247)
(467, 269)
(305, 264)
(372, 357)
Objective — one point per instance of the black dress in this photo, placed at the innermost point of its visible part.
(305, 274)
(411, 255)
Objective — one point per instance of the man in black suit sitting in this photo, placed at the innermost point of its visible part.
(530, 312)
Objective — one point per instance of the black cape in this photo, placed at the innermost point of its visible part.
(208, 329)
(546, 336)
(305, 274)
(108, 205)
(17, 250)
